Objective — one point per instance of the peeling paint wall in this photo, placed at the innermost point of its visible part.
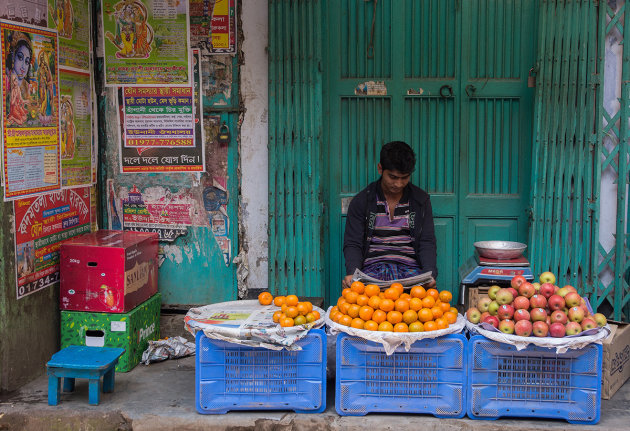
(253, 147)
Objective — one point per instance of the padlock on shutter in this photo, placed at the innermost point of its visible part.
(531, 78)
(224, 134)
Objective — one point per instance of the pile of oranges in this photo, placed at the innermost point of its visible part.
(292, 311)
(366, 307)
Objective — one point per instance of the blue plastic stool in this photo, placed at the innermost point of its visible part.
(82, 362)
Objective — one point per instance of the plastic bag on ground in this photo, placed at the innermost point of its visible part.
(169, 348)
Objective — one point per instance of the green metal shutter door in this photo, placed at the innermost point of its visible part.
(566, 166)
(295, 88)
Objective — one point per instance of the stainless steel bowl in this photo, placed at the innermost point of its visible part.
(500, 249)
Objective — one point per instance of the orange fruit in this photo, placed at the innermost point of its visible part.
(341, 300)
(454, 310)
(315, 313)
(450, 317)
(345, 291)
(385, 327)
(437, 312)
(311, 318)
(382, 295)
(416, 327)
(392, 294)
(357, 287)
(276, 316)
(445, 296)
(265, 298)
(278, 301)
(379, 316)
(410, 316)
(445, 306)
(374, 302)
(300, 320)
(366, 312)
(335, 317)
(351, 297)
(344, 307)
(441, 323)
(430, 326)
(398, 287)
(405, 296)
(386, 305)
(292, 311)
(433, 293)
(353, 310)
(418, 292)
(345, 320)
(415, 304)
(401, 327)
(309, 306)
(370, 325)
(302, 308)
(287, 322)
(425, 315)
(394, 317)
(357, 323)
(428, 301)
(284, 307)
(401, 305)
(372, 290)
(362, 300)
(291, 300)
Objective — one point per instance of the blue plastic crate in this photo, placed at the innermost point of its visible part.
(533, 382)
(430, 378)
(230, 376)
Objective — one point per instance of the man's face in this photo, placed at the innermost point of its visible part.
(393, 181)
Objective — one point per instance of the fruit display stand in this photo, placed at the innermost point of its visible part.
(245, 361)
(533, 382)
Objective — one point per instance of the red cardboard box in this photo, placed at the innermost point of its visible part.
(108, 271)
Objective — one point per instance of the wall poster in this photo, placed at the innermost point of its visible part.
(146, 42)
(71, 19)
(25, 11)
(213, 26)
(76, 128)
(30, 110)
(41, 223)
(158, 130)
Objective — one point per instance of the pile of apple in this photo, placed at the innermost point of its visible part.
(542, 309)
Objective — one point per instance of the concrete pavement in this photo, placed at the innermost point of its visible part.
(161, 396)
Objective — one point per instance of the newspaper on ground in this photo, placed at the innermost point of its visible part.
(247, 323)
(560, 344)
(423, 278)
(392, 340)
(168, 348)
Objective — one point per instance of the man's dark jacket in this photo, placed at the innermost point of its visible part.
(360, 227)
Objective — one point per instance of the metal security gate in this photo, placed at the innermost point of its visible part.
(295, 182)
(566, 165)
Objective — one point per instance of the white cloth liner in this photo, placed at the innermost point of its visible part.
(392, 340)
(416, 280)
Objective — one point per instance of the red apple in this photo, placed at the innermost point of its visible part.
(559, 316)
(557, 330)
(484, 315)
(600, 319)
(576, 314)
(540, 329)
(483, 303)
(571, 288)
(492, 320)
(523, 328)
(538, 315)
(538, 301)
(506, 326)
(588, 323)
(527, 290)
(473, 315)
(521, 314)
(555, 302)
(513, 291)
(492, 291)
(506, 311)
(517, 280)
(563, 291)
(572, 328)
(546, 290)
(504, 296)
(521, 302)
(572, 299)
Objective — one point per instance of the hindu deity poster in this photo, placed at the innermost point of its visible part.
(30, 110)
(71, 19)
(76, 128)
(146, 42)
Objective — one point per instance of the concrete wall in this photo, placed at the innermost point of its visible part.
(253, 145)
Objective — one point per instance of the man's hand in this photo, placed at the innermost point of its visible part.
(430, 285)
(347, 281)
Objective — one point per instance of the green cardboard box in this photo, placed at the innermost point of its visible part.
(131, 331)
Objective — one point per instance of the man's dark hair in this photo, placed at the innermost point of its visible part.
(398, 156)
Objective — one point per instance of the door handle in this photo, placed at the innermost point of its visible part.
(470, 90)
(446, 91)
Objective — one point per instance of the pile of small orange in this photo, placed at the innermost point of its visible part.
(292, 311)
(366, 307)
